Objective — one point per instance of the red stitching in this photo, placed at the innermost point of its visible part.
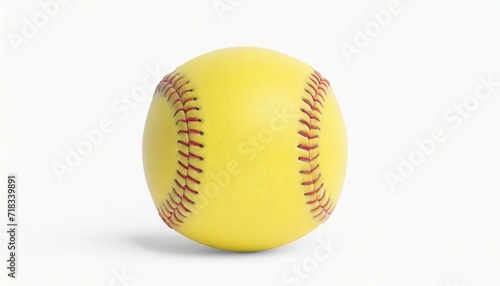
(312, 182)
(188, 100)
(174, 209)
(187, 177)
(188, 200)
(189, 166)
(182, 101)
(184, 207)
(316, 199)
(178, 196)
(160, 210)
(187, 188)
(175, 79)
(316, 91)
(190, 143)
(190, 131)
(190, 155)
(322, 79)
(314, 79)
(315, 191)
(307, 147)
(307, 172)
(179, 212)
(188, 119)
(308, 159)
(176, 217)
(185, 110)
(310, 115)
(181, 86)
(166, 217)
(313, 96)
(309, 125)
(168, 76)
(171, 207)
(169, 95)
(311, 105)
(307, 135)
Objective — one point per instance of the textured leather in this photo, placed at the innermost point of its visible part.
(244, 149)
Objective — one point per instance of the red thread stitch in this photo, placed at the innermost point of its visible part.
(175, 208)
(316, 91)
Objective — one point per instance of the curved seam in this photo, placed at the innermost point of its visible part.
(313, 109)
(176, 207)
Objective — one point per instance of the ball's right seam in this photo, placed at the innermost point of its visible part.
(316, 88)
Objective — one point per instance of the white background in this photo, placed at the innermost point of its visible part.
(441, 226)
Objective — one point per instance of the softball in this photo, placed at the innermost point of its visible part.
(244, 149)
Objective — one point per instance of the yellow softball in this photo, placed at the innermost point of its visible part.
(244, 149)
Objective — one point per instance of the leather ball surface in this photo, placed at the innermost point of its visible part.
(244, 149)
